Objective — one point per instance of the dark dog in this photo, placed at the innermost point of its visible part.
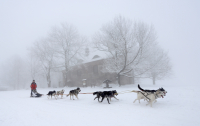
(108, 95)
(74, 92)
(114, 92)
(99, 94)
(52, 93)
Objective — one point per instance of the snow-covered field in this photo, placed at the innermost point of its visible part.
(180, 107)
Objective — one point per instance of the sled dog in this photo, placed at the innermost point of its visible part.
(140, 95)
(154, 96)
(105, 94)
(114, 93)
(98, 93)
(60, 93)
(52, 93)
(74, 93)
(153, 91)
(108, 95)
(150, 97)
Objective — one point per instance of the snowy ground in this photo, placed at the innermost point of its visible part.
(180, 107)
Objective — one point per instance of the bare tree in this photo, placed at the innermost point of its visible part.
(34, 64)
(161, 65)
(125, 43)
(43, 50)
(68, 45)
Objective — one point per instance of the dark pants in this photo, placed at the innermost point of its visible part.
(36, 93)
(32, 91)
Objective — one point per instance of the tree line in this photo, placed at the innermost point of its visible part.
(131, 47)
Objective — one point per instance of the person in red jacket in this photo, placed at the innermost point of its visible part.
(33, 87)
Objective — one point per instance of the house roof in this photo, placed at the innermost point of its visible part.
(94, 56)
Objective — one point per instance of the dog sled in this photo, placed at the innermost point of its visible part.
(35, 94)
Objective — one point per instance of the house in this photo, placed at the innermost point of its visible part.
(90, 72)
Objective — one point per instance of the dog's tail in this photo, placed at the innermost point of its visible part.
(135, 91)
(140, 88)
(67, 95)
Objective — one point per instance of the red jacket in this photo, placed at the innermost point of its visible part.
(33, 86)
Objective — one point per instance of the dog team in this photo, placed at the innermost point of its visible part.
(61, 93)
(148, 95)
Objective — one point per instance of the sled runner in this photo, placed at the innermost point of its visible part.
(35, 94)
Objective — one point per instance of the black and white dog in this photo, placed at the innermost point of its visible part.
(152, 91)
(74, 92)
(52, 93)
(149, 95)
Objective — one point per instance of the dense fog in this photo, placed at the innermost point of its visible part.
(49, 40)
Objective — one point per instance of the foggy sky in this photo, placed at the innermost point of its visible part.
(177, 24)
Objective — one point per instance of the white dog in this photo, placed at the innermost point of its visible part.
(140, 95)
(60, 93)
(150, 97)
(154, 96)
